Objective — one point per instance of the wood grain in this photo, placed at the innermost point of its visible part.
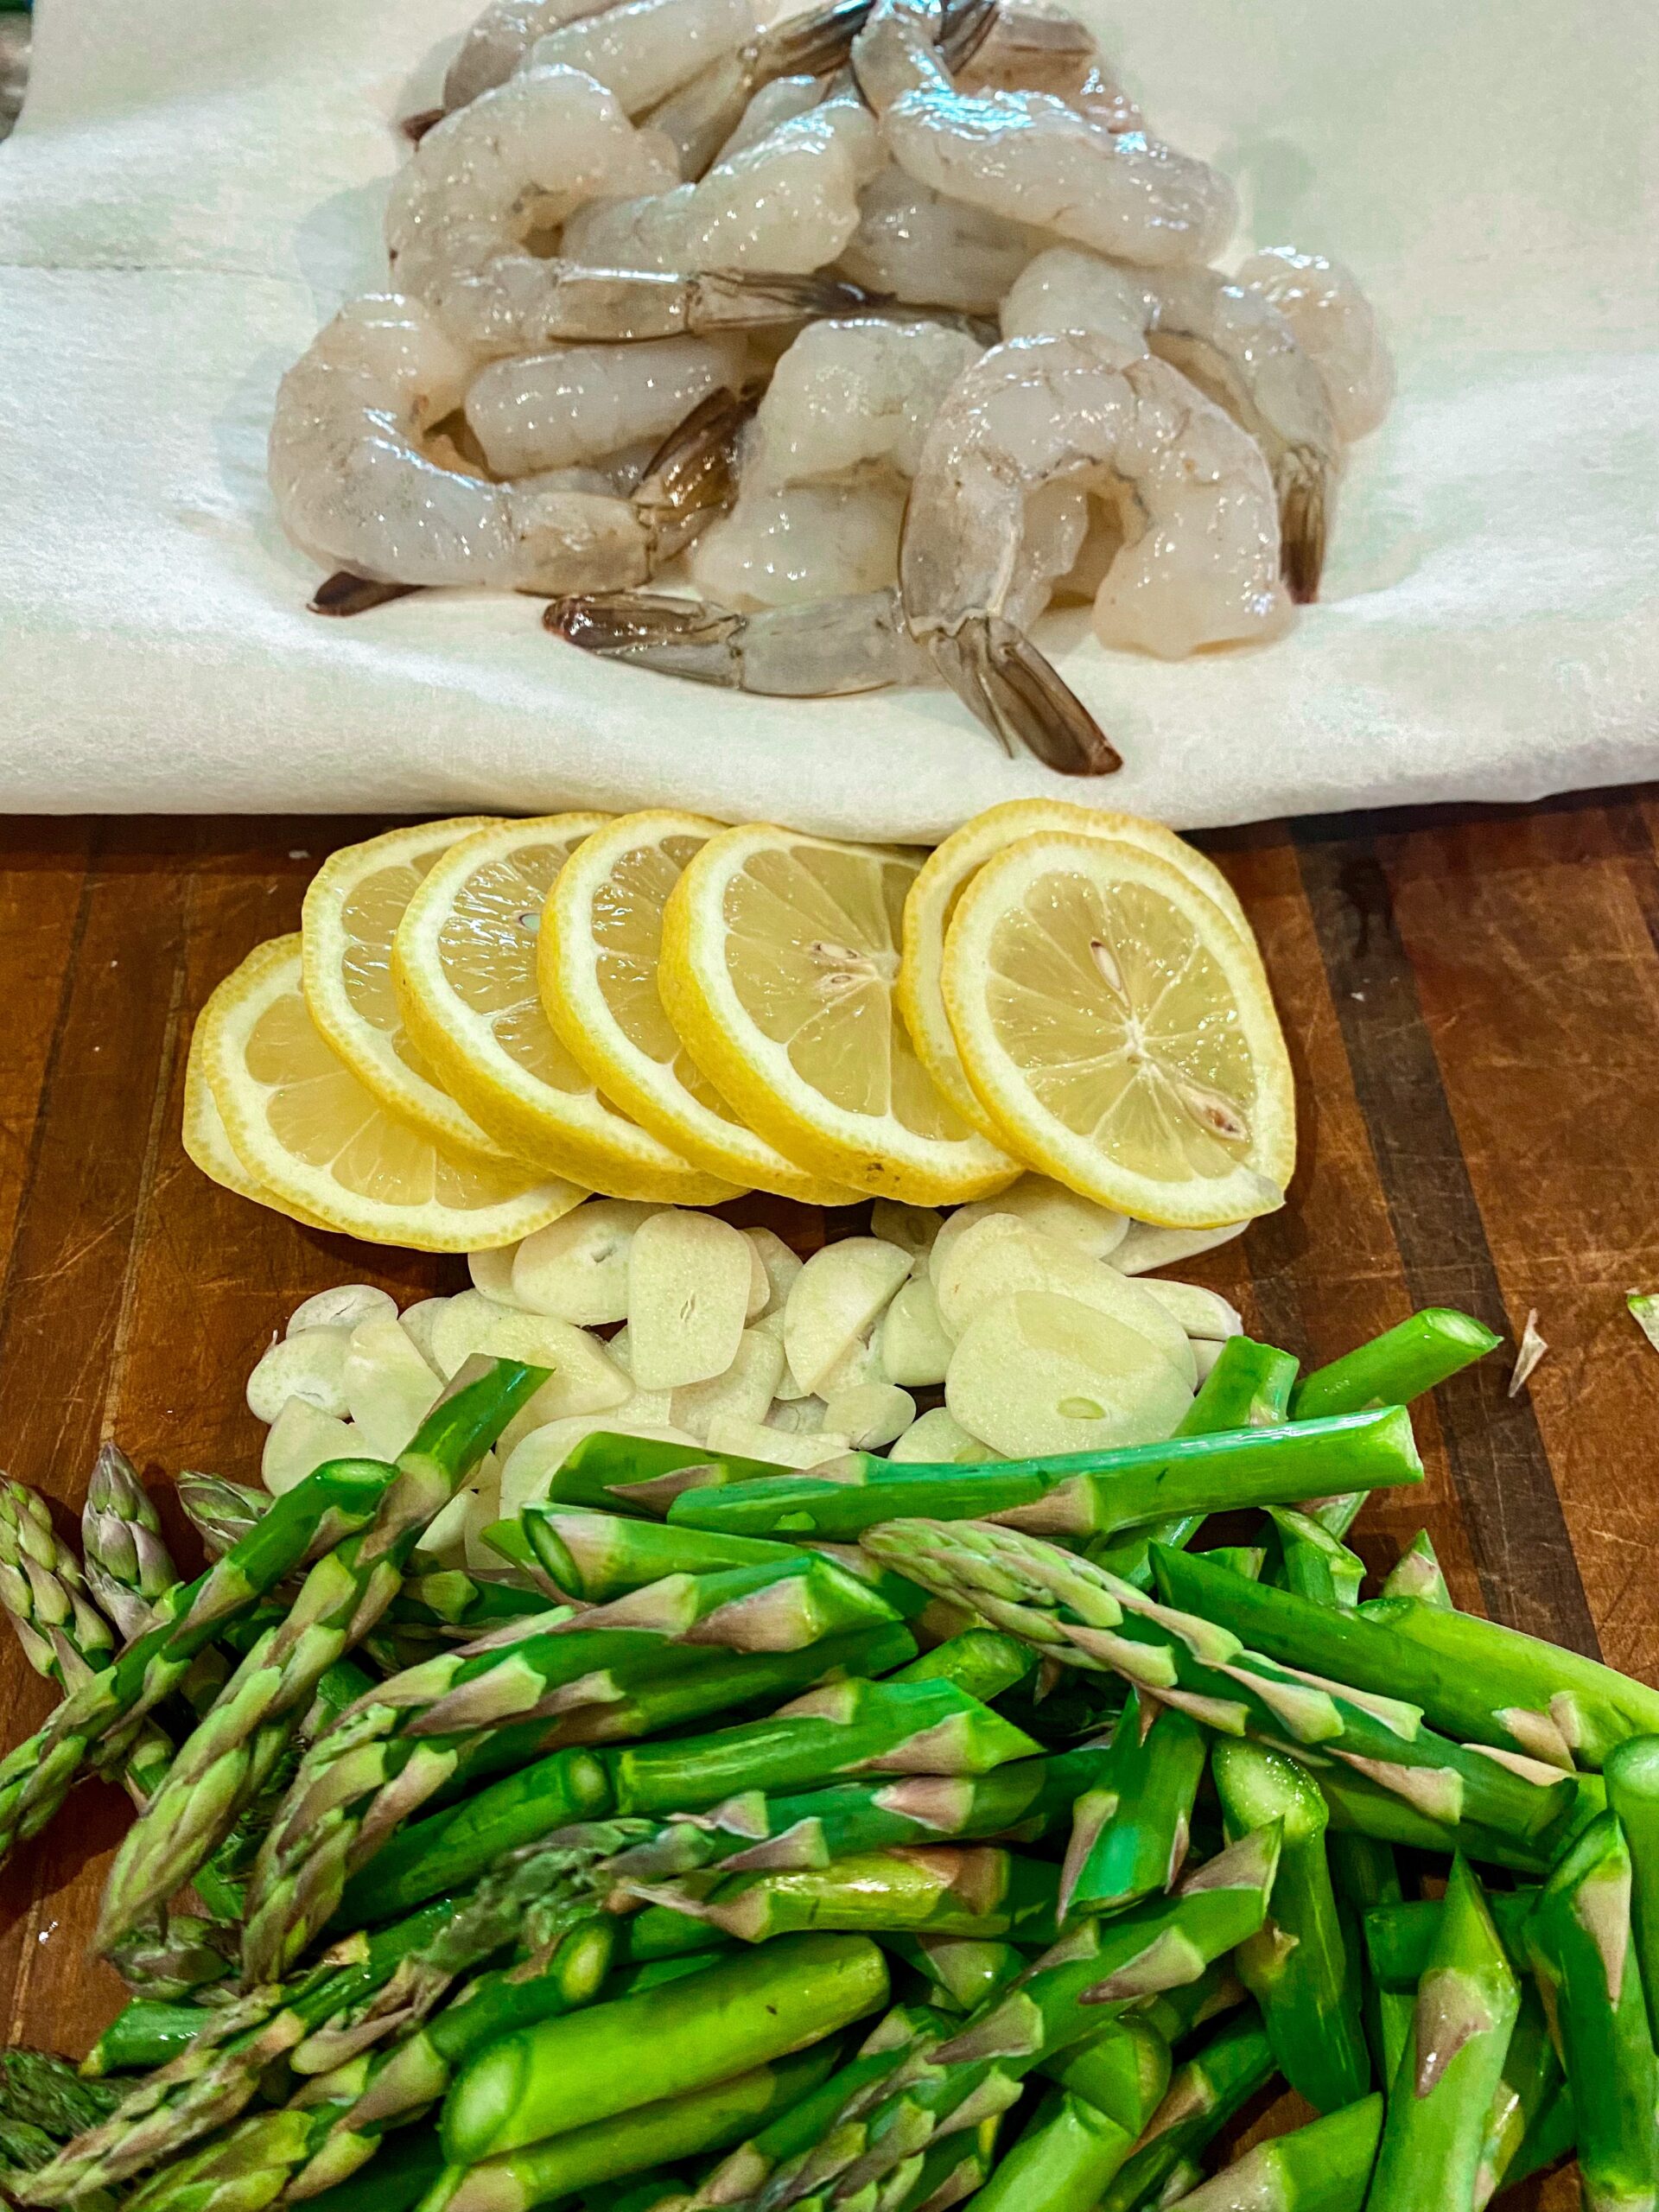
(1472, 1002)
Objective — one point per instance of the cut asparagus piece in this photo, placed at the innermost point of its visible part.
(1203, 2095)
(1247, 1560)
(1298, 1968)
(1475, 1680)
(221, 1512)
(1087, 1619)
(643, 1475)
(591, 1556)
(851, 1727)
(1530, 2081)
(1313, 1563)
(1360, 1806)
(1073, 1494)
(1400, 1937)
(129, 1568)
(1583, 1953)
(1416, 1574)
(972, 1891)
(1064, 2160)
(1633, 1795)
(1366, 1876)
(1324, 2167)
(747, 2011)
(144, 2035)
(1433, 2131)
(981, 1661)
(1123, 2071)
(1129, 1832)
(1397, 1367)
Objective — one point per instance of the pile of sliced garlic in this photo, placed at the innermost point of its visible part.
(1034, 1310)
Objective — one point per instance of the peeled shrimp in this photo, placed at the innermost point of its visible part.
(645, 50)
(792, 544)
(701, 117)
(779, 101)
(853, 393)
(923, 249)
(567, 407)
(788, 203)
(1233, 343)
(501, 38)
(1335, 325)
(353, 486)
(1032, 158)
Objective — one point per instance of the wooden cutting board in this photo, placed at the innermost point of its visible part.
(1472, 1003)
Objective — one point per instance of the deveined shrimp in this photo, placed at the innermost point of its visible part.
(854, 393)
(353, 486)
(779, 101)
(921, 249)
(643, 50)
(1335, 325)
(799, 543)
(789, 203)
(560, 409)
(1033, 158)
(500, 38)
(1233, 343)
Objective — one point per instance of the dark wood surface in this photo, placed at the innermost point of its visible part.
(1472, 1002)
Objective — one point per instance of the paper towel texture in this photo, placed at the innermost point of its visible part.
(197, 184)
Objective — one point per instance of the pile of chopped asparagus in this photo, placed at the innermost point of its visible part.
(867, 1839)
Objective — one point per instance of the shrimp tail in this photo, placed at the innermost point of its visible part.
(821, 649)
(967, 25)
(738, 299)
(415, 127)
(814, 43)
(1302, 480)
(692, 479)
(346, 593)
(995, 669)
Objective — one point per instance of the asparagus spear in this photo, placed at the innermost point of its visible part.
(972, 1891)
(397, 2182)
(1247, 1560)
(221, 1512)
(333, 1506)
(48, 2093)
(1392, 1370)
(1315, 1564)
(182, 1960)
(1203, 2095)
(1123, 2071)
(142, 2035)
(746, 2009)
(708, 2118)
(1298, 1968)
(1433, 2130)
(1088, 1618)
(1585, 1956)
(1367, 1878)
(1550, 2139)
(415, 1733)
(1077, 1494)
(846, 1728)
(1129, 1832)
(592, 1556)
(1249, 1387)
(129, 1568)
(1323, 2167)
(218, 2074)
(1633, 1795)
(1530, 2081)
(639, 1475)
(1063, 2161)
(981, 1661)
(1091, 1976)
(1400, 1937)
(961, 1971)
(1416, 1574)
(1475, 1680)
(234, 1748)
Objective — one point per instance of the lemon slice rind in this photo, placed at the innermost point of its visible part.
(207, 1142)
(951, 867)
(569, 964)
(875, 1152)
(1255, 1184)
(370, 1051)
(505, 1214)
(572, 1132)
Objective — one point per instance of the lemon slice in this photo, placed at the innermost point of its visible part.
(950, 867)
(207, 1142)
(307, 1130)
(352, 912)
(1113, 1021)
(463, 964)
(601, 934)
(779, 957)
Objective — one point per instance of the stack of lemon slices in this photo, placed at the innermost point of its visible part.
(482, 1020)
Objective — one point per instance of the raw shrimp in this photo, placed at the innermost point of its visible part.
(701, 119)
(501, 38)
(780, 101)
(792, 544)
(645, 50)
(789, 203)
(921, 249)
(1200, 564)
(1033, 158)
(562, 409)
(851, 393)
(353, 486)
(825, 650)
(523, 157)
(1233, 344)
(1336, 325)
(1031, 48)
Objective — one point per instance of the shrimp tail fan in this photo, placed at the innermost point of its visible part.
(1302, 485)
(995, 669)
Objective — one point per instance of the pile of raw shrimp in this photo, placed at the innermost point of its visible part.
(877, 330)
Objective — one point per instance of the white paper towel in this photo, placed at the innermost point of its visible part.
(197, 184)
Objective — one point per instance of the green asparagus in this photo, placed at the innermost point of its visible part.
(1324, 2167)
(1439, 2103)
(1313, 1563)
(1397, 1367)
(1416, 1574)
(1633, 1795)
(1080, 1494)
(129, 1568)
(1204, 2094)
(1399, 1937)
(592, 1556)
(1301, 1968)
(48, 2093)
(932, 1889)
(221, 1512)
(1064, 2160)
(1129, 1832)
